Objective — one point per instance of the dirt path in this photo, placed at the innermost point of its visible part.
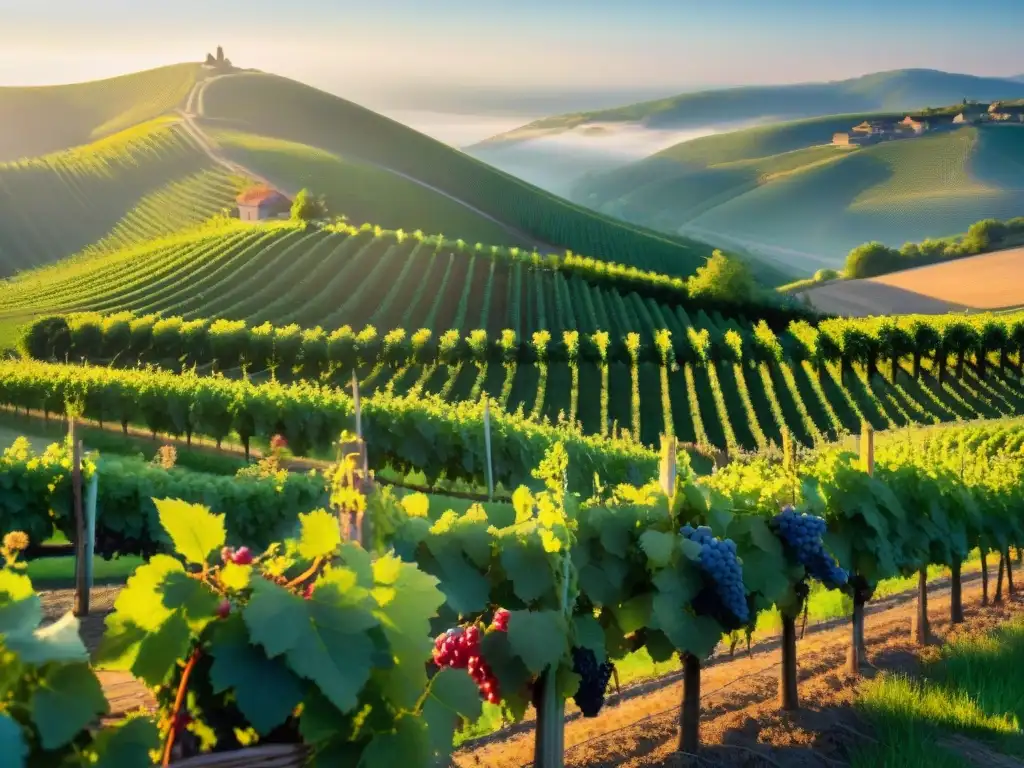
(195, 108)
(741, 721)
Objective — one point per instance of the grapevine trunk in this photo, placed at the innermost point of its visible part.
(689, 718)
(788, 692)
(956, 605)
(921, 632)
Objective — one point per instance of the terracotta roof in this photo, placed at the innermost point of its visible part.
(258, 196)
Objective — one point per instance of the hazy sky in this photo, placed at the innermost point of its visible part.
(376, 48)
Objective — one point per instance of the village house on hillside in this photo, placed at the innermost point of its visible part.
(1013, 113)
(929, 121)
(261, 203)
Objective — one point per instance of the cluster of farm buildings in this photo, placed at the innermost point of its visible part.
(873, 131)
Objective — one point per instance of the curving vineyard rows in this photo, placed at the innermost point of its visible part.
(709, 380)
(138, 184)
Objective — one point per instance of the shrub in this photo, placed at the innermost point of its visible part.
(722, 279)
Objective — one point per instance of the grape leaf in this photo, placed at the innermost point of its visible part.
(359, 561)
(690, 548)
(408, 599)
(658, 545)
(126, 744)
(688, 633)
(408, 745)
(159, 651)
(324, 638)
(634, 613)
(589, 634)
(538, 638)
(719, 517)
(320, 534)
(195, 531)
(20, 607)
(466, 591)
(522, 502)
(453, 694)
(12, 742)
(59, 641)
(235, 577)
(265, 689)
(528, 568)
(68, 699)
(275, 617)
(416, 505)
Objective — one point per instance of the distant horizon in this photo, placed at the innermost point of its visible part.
(505, 99)
(392, 52)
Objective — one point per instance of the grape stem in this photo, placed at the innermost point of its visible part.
(305, 574)
(179, 699)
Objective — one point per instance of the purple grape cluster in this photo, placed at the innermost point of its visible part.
(594, 679)
(718, 560)
(802, 534)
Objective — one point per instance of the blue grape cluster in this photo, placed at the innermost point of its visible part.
(802, 533)
(718, 559)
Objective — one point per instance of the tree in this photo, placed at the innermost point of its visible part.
(307, 208)
(722, 279)
(871, 259)
(220, 54)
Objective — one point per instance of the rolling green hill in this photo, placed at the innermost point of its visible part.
(361, 191)
(143, 182)
(784, 192)
(42, 120)
(275, 107)
(902, 89)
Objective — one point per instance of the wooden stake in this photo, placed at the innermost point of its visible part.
(689, 716)
(487, 448)
(357, 402)
(668, 467)
(867, 448)
(91, 499)
(81, 604)
(789, 698)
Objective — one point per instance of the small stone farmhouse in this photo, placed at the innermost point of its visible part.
(260, 203)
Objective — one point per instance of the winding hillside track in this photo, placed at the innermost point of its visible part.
(195, 109)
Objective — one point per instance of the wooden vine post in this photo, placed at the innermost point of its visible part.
(549, 735)
(689, 715)
(668, 467)
(858, 649)
(487, 448)
(81, 604)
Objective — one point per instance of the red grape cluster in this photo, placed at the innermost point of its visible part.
(460, 649)
(240, 556)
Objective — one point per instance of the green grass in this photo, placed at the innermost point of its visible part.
(972, 690)
(279, 108)
(41, 120)
(141, 183)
